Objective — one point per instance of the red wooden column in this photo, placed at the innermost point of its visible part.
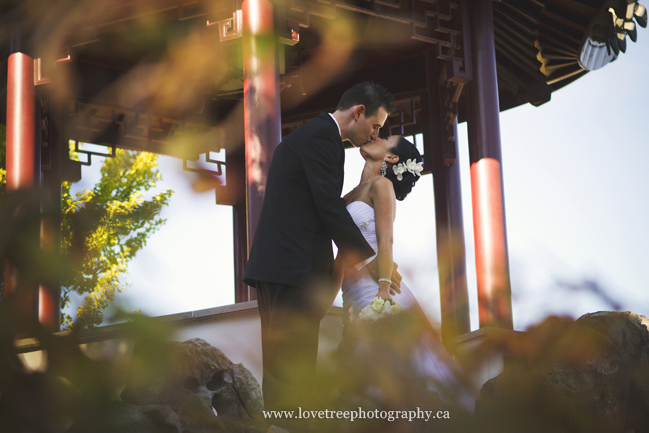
(49, 305)
(262, 114)
(242, 292)
(449, 226)
(23, 159)
(492, 261)
(236, 175)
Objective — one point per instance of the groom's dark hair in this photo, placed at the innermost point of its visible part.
(371, 95)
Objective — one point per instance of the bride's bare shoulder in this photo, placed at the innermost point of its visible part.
(382, 186)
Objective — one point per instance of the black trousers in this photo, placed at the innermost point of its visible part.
(290, 326)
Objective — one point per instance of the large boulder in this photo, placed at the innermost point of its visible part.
(119, 417)
(591, 375)
(200, 384)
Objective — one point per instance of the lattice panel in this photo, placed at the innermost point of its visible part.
(131, 130)
(438, 22)
(409, 118)
(406, 119)
(116, 128)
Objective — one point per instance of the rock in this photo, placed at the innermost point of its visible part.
(197, 381)
(626, 329)
(125, 418)
(588, 375)
(275, 429)
(248, 390)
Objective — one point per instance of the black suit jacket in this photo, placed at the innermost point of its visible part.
(303, 211)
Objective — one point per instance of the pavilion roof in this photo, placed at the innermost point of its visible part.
(193, 49)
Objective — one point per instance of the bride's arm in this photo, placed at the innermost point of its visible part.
(384, 202)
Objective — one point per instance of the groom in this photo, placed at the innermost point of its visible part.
(291, 259)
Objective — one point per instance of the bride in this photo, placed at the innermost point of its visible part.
(406, 348)
(392, 167)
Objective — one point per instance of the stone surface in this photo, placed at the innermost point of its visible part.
(588, 375)
(275, 429)
(200, 384)
(126, 418)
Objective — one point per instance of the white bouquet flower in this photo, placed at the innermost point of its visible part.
(380, 308)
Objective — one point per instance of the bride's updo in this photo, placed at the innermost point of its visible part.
(405, 150)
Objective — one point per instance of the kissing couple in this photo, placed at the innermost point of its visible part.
(291, 262)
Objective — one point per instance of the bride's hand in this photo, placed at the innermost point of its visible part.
(384, 292)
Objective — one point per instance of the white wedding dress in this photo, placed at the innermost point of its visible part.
(430, 359)
(359, 288)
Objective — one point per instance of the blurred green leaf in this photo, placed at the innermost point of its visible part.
(104, 228)
(102, 231)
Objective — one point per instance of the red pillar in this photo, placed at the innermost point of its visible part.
(492, 262)
(242, 292)
(449, 226)
(23, 159)
(49, 305)
(237, 176)
(261, 104)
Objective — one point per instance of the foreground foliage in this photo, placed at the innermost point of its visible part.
(103, 229)
(563, 376)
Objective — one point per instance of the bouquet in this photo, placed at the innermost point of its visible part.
(380, 308)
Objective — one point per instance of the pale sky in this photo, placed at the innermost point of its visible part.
(575, 176)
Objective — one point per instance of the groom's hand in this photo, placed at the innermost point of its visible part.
(396, 279)
(373, 269)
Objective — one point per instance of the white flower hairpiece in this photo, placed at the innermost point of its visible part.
(410, 165)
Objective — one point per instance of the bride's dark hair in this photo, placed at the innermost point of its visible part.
(405, 150)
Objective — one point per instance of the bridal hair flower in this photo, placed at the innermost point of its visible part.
(380, 308)
(410, 165)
